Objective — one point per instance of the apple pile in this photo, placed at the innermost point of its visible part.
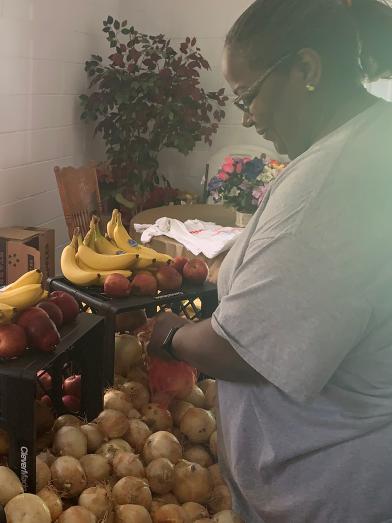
(168, 278)
(37, 327)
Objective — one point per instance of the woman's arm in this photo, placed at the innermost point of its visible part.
(200, 346)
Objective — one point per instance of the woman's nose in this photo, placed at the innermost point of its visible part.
(247, 120)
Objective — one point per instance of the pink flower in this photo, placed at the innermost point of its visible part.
(259, 192)
(228, 165)
(239, 167)
(223, 176)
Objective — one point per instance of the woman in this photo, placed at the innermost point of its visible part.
(301, 341)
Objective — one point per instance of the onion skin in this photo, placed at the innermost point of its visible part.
(171, 514)
(70, 441)
(220, 499)
(137, 393)
(227, 516)
(160, 475)
(43, 475)
(130, 490)
(156, 417)
(132, 513)
(195, 511)
(137, 434)
(109, 450)
(67, 420)
(94, 436)
(27, 508)
(198, 454)
(53, 501)
(10, 485)
(77, 515)
(162, 445)
(96, 468)
(127, 464)
(112, 424)
(68, 476)
(191, 482)
(96, 500)
(198, 425)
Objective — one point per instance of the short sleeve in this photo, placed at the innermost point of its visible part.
(292, 314)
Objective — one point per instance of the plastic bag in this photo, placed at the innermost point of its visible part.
(169, 380)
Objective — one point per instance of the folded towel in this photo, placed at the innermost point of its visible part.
(197, 236)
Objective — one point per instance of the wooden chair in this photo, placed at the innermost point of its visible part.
(79, 194)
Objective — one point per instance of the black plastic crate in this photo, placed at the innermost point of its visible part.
(81, 349)
(194, 301)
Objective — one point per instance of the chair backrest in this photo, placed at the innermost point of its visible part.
(79, 193)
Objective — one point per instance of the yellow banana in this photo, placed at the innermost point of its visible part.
(106, 262)
(34, 276)
(111, 224)
(125, 242)
(6, 313)
(103, 245)
(72, 271)
(89, 238)
(85, 267)
(22, 297)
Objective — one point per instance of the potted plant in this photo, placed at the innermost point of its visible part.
(242, 182)
(147, 97)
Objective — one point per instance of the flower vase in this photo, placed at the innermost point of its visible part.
(242, 218)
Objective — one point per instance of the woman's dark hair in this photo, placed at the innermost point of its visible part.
(353, 37)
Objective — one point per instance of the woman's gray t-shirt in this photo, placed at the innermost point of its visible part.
(306, 299)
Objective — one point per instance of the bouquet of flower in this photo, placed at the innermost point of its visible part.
(242, 182)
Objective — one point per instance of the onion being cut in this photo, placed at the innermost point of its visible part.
(97, 501)
(191, 482)
(10, 485)
(197, 425)
(162, 445)
(94, 436)
(42, 474)
(53, 501)
(160, 475)
(132, 514)
(112, 424)
(70, 441)
(27, 508)
(77, 515)
(96, 468)
(127, 464)
(137, 434)
(68, 476)
(131, 490)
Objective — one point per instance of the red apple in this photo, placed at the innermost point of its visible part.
(72, 386)
(179, 262)
(42, 333)
(131, 320)
(169, 279)
(71, 403)
(67, 303)
(13, 341)
(45, 378)
(144, 284)
(53, 311)
(117, 286)
(196, 271)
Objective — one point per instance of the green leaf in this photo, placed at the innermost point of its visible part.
(117, 25)
(110, 20)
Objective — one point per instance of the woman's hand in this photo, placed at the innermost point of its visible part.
(164, 322)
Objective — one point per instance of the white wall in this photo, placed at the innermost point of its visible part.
(43, 46)
(209, 21)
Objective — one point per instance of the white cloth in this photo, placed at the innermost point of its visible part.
(197, 236)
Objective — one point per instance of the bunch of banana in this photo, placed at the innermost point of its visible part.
(25, 292)
(117, 233)
(82, 265)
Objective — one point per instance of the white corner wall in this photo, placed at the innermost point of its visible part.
(209, 21)
(43, 47)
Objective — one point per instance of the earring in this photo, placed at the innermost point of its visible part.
(310, 88)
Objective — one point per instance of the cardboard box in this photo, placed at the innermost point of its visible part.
(23, 249)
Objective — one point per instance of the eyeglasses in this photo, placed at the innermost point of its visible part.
(244, 100)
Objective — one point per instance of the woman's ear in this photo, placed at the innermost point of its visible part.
(308, 69)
